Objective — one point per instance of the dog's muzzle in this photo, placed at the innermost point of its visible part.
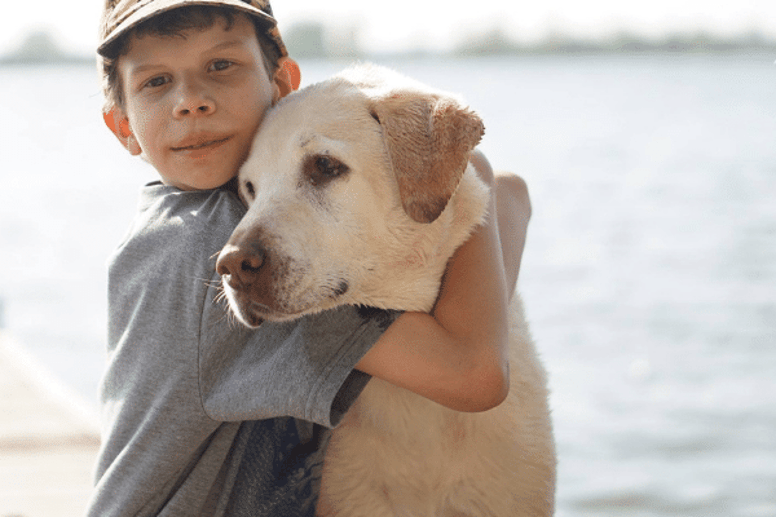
(240, 268)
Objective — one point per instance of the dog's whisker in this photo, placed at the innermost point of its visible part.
(221, 297)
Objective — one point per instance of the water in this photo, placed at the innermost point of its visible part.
(649, 276)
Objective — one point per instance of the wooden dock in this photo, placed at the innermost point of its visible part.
(47, 445)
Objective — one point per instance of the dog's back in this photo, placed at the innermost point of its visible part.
(359, 192)
(397, 453)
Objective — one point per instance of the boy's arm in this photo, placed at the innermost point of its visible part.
(513, 210)
(457, 355)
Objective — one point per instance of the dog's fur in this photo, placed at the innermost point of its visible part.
(359, 191)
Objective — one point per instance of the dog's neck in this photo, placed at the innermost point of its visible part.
(415, 279)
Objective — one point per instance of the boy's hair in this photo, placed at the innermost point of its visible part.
(173, 23)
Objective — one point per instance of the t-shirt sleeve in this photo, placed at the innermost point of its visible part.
(302, 369)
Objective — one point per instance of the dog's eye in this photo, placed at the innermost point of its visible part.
(250, 191)
(321, 169)
(329, 166)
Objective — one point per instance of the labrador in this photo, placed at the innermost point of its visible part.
(359, 190)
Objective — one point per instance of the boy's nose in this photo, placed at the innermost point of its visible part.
(200, 109)
(194, 102)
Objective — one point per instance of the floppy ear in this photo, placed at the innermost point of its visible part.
(429, 139)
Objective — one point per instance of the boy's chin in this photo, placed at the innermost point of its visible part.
(209, 183)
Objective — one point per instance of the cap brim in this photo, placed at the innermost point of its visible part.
(151, 9)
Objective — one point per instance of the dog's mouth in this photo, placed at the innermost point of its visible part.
(253, 312)
(259, 311)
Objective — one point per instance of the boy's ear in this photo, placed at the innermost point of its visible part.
(287, 77)
(118, 123)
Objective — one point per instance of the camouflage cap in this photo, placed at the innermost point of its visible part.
(120, 16)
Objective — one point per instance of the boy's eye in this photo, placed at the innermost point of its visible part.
(156, 82)
(220, 65)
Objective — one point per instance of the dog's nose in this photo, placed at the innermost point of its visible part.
(239, 267)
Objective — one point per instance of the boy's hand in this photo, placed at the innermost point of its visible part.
(457, 355)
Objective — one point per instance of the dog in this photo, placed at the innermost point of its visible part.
(359, 190)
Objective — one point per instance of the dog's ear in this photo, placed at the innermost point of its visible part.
(429, 139)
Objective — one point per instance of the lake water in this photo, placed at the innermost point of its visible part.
(649, 275)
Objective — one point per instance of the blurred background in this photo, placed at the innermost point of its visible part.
(645, 135)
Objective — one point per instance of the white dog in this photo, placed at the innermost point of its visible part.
(359, 191)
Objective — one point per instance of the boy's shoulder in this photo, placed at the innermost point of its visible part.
(166, 202)
(182, 228)
(176, 213)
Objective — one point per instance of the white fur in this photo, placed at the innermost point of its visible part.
(396, 453)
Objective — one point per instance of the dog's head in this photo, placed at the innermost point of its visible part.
(348, 185)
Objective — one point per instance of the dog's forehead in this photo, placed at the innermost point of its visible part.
(332, 117)
(327, 114)
(329, 102)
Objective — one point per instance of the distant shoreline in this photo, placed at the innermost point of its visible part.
(421, 55)
(320, 42)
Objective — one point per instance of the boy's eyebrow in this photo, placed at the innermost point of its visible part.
(142, 68)
(220, 46)
(229, 43)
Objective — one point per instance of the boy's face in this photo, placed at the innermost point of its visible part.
(194, 103)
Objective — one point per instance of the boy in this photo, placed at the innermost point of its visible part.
(201, 416)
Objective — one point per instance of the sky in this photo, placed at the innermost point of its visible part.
(404, 24)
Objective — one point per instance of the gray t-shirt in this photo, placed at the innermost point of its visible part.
(200, 415)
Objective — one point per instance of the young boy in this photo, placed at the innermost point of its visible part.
(200, 415)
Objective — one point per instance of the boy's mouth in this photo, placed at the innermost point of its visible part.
(199, 143)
